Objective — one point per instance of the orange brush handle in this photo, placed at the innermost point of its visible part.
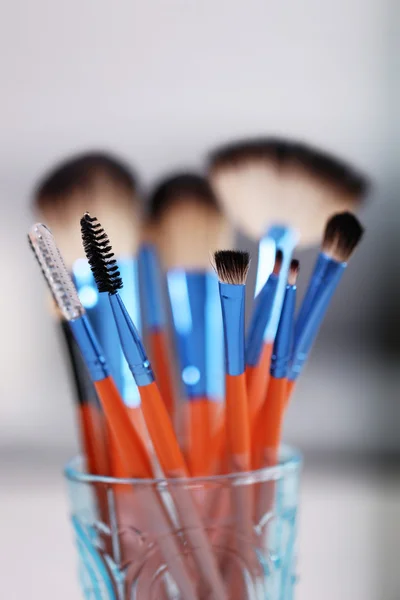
(130, 445)
(290, 387)
(161, 431)
(198, 436)
(158, 343)
(268, 429)
(257, 379)
(94, 439)
(237, 422)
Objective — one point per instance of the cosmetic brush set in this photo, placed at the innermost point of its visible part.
(169, 381)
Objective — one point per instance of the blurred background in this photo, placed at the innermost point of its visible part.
(159, 84)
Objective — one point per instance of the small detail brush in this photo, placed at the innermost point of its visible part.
(268, 427)
(258, 354)
(342, 235)
(105, 270)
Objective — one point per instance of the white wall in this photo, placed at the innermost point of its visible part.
(161, 82)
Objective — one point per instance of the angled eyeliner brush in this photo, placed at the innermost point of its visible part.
(130, 444)
(105, 270)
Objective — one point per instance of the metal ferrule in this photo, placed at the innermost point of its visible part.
(91, 351)
(188, 291)
(259, 320)
(319, 273)
(285, 239)
(284, 335)
(233, 312)
(150, 278)
(305, 338)
(131, 343)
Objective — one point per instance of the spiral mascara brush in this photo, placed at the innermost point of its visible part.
(129, 442)
(342, 235)
(105, 270)
(268, 427)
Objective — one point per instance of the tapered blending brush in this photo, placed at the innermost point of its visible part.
(190, 226)
(268, 427)
(258, 354)
(101, 182)
(343, 233)
(105, 270)
(130, 444)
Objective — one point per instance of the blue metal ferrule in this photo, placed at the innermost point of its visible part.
(90, 348)
(305, 338)
(284, 336)
(282, 238)
(131, 343)
(317, 278)
(259, 320)
(196, 313)
(150, 279)
(233, 313)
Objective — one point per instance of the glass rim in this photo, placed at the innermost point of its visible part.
(291, 461)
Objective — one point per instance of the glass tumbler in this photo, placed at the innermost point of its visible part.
(132, 544)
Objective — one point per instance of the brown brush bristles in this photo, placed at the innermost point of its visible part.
(81, 173)
(180, 188)
(283, 152)
(232, 266)
(278, 262)
(342, 234)
(293, 272)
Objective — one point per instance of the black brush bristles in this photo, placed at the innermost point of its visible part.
(99, 253)
(293, 272)
(232, 266)
(342, 234)
(278, 262)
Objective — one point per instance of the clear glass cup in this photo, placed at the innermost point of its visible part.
(127, 551)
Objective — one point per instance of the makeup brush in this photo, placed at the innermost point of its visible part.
(190, 226)
(131, 446)
(268, 427)
(232, 268)
(342, 235)
(105, 270)
(258, 354)
(101, 182)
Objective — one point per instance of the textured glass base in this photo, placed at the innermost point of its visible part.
(250, 521)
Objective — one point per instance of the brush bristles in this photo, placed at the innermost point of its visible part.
(99, 253)
(293, 272)
(232, 266)
(342, 234)
(278, 262)
(55, 272)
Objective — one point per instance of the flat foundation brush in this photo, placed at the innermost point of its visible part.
(105, 270)
(343, 233)
(131, 447)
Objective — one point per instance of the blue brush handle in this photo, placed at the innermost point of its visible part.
(150, 278)
(319, 273)
(322, 298)
(284, 336)
(233, 313)
(197, 321)
(259, 320)
(131, 343)
(90, 348)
